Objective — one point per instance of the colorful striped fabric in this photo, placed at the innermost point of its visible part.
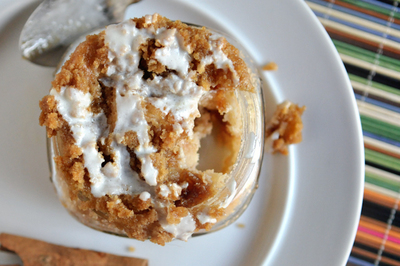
(366, 34)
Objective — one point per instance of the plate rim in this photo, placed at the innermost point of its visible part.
(294, 149)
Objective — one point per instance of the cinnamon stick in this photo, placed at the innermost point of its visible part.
(39, 253)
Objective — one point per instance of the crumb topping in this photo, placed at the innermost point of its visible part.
(285, 126)
(129, 109)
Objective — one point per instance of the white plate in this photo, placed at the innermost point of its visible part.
(307, 207)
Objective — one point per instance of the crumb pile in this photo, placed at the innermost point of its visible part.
(128, 110)
(285, 127)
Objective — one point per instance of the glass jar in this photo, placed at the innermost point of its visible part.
(242, 180)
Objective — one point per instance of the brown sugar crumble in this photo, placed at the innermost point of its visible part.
(271, 66)
(142, 182)
(240, 225)
(285, 126)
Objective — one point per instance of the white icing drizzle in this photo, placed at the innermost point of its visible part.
(205, 218)
(131, 118)
(164, 190)
(176, 190)
(183, 230)
(172, 55)
(123, 41)
(112, 179)
(144, 196)
(218, 57)
(176, 95)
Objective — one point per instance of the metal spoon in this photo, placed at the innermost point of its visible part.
(55, 24)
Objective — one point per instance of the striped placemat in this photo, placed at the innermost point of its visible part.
(366, 34)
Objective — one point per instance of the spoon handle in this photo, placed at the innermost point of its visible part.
(55, 24)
